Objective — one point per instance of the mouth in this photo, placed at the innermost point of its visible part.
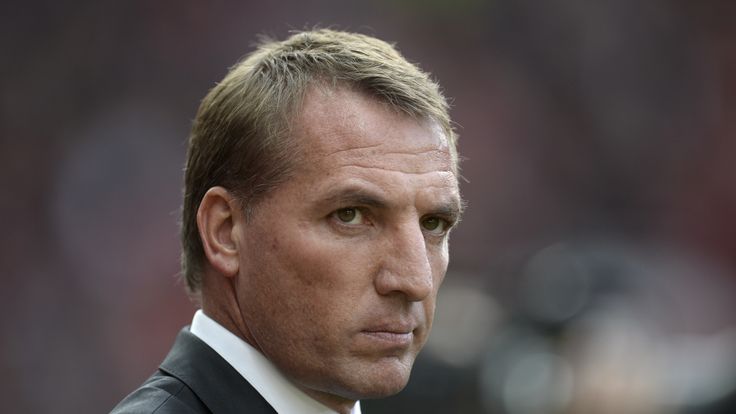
(392, 336)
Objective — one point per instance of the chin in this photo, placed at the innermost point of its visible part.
(385, 389)
(377, 382)
(371, 391)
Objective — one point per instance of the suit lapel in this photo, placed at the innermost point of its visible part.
(220, 387)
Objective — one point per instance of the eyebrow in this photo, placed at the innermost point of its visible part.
(355, 196)
(451, 209)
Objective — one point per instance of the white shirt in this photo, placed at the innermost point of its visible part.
(283, 396)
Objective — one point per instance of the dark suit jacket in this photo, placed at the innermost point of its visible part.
(194, 379)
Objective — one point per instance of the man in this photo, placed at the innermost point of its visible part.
(321, 185)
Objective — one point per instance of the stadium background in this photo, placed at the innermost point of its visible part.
(594, 272)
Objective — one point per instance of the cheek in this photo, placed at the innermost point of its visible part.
(439, 259)
(311, 281)
(318, 259)
(439, 262)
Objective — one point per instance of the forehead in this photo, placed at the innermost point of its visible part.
(343, 126)
(357, 148)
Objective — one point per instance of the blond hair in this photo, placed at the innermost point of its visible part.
(240, 136)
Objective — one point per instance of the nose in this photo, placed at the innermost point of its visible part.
(406, 266)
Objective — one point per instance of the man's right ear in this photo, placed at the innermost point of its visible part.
(217, 220)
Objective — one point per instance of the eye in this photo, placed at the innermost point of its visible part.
(349, 215)
(435, 225)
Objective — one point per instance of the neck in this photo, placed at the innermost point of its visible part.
(221, 306)
(220, 303)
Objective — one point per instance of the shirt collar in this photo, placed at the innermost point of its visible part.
(283, 396)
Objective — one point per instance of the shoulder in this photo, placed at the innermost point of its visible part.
(161, 394)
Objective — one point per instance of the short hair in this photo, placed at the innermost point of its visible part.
(240, 137)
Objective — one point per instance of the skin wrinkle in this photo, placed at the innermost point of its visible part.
(397, 160)
(352, 149)
(358, 153)
(417, 152)
(394, 170)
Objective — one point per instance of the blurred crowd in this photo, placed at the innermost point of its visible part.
(594, 271)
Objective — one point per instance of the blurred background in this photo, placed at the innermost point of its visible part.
(594, 272)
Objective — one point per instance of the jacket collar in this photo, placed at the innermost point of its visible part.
(222, 389)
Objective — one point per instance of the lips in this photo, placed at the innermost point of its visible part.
(390, 338)
(399, 334)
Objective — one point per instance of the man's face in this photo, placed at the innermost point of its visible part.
(340, 265)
